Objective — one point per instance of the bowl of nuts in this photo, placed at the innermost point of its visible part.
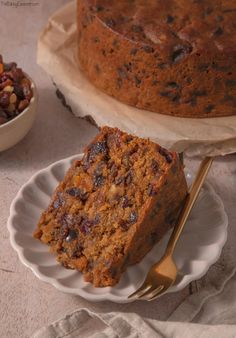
(18, 100)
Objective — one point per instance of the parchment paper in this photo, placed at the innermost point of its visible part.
(57, 55)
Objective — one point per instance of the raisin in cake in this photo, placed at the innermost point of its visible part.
(175, 57)
(113, 206)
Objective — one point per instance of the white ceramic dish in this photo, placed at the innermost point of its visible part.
(15, 130)
(198, 248)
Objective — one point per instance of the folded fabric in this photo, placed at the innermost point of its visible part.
(86, 324)
(213, 305)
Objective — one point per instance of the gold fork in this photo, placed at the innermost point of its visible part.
(163, 273)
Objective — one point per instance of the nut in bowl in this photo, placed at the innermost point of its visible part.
(18, 100)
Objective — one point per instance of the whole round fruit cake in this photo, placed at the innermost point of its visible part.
(175, 57)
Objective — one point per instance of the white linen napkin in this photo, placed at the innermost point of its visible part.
(86, 324)
(213, 307)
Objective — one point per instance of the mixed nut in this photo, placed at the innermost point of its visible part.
(15, 91)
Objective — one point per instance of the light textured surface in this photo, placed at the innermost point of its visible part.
(26, 303)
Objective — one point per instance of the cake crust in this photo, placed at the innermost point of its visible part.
(167, 56)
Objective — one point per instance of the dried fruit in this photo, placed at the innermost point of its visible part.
(86, 225)
(219, 31)
(124, 224)
(19, 92)
(72, 235)
(119, 180)
(13, 98)
(150, 190)
(9, 66)
(76, 192)
(133, 217)
(209, 108)
(133, 51)
(22, 105)
(180, 52)
(154, 166)
(8, 88)
(165, 154)
(110, 22)
(122, 72)
(97, 8)
(137, 80)
(125, 202)
(98, 148)
(137, 28)
(4, 99)
(11, 108)
(169, 19)
(15, 90)
(114, 170)
(59, 201)
(172, 85)
(98, 181)
(148, 49)
(129, 178)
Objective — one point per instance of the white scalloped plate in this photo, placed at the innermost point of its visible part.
(198, 248)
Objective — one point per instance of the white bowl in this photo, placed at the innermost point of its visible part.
(15, 130)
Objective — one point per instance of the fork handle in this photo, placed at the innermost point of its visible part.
(189, 202)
